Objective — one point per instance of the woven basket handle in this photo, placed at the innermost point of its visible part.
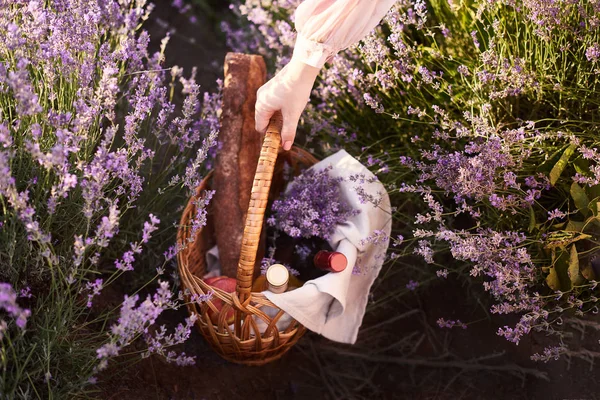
(257, 206)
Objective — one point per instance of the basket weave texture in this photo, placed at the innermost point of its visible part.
(243, 344)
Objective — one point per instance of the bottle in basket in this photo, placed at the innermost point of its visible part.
(272, 281)
(278, 277)
(330, 261)
(314, 258)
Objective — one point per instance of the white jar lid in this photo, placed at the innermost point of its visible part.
(277, 275)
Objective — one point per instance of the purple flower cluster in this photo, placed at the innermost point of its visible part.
(500, 259)
(69, 51)
(499, 256)
(448, 323)
(260, 31)
(549, 353)
(126, 261)
(591, 177)
(181, 7)
(136, 321)
(469, 174)
(593, 53)
(94, 289)
(312, 206)
(442, 273)
(8, 303)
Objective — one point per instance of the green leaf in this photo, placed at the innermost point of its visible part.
(581, 199)
(552, 279)
(574, 226)
(594, 192)
(559, 226)
(551, 161)
(593, 207)
(531, 219)
(573, 271)
(595, 220)
(561, 164)
(588, 272)
(561, 239)
(558, 278)
(581, 165)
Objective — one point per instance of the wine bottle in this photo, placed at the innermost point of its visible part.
(284, 248)
(330, 261)
(312, 257)
(277, 279)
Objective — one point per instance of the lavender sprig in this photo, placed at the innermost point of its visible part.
(313, 206)
(8, 303)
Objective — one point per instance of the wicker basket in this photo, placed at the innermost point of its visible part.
(244, 343)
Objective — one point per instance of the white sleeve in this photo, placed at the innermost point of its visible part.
(327, 26)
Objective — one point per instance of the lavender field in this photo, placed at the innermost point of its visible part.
(480, 119)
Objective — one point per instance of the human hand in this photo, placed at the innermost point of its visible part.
(288, 91)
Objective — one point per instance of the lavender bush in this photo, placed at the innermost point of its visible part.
(94, 157)
(487, 112)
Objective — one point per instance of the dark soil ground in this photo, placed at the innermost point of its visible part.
(200, 45)
(401, 353)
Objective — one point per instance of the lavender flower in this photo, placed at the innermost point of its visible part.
(442, 273)
(8, 302)
(424, 249)
(312, 206)
(201, 298)
(377, 238)
(593, 53)
(94, 289)
(556, 214)
(149, 227)
(552, 352)
(135, 321)
(444, 323)
(474, 37)
(26, 292)
(463, 70)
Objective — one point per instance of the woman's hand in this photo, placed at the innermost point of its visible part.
(288, 92)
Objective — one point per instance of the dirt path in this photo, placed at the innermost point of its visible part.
(199, 45)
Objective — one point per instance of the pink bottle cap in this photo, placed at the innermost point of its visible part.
(332, 261)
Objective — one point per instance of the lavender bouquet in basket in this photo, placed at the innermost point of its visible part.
(303, 220)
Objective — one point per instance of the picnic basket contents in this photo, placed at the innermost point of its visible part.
(313, 222)
(244, 343)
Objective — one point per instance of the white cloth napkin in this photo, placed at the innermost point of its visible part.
(334, 304)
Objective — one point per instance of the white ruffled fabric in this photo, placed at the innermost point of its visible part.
(334, 304)
(327, 26)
